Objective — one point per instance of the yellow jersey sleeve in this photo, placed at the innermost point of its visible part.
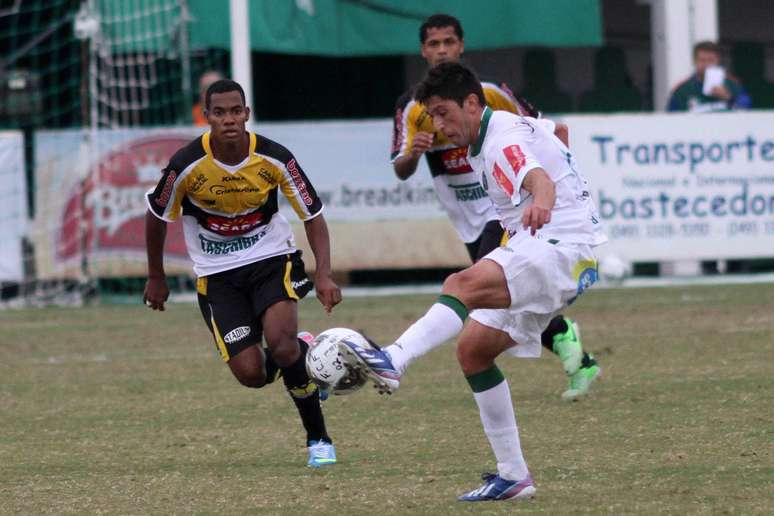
(408, 121)
(500, 99)
(165, 200)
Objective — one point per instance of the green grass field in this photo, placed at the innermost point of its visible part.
(118, 410)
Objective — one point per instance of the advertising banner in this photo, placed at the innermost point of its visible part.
(668, 187)
(681, 186)
(13, 199)
(90, 206)
(90, 219)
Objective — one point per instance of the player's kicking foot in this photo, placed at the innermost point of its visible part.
(496, 487)
(569, 348)
(581, 381)
(374, 362)
(321, 454)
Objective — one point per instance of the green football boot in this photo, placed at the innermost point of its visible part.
(568, 346)
(581, 381)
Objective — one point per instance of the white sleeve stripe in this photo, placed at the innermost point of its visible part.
(313, 216)
(150, 208)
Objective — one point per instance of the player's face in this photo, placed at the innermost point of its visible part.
(705, 59)
(450, 119)
(227, 116)
(442, 44)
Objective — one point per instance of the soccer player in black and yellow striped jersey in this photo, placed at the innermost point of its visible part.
(461, 195)
(225, 186)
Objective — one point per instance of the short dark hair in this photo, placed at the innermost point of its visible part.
(223, 86)
(706, 46)
(438, 21)
(450, 80)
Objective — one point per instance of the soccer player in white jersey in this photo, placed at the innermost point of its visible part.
(461, 196)
(513, 292)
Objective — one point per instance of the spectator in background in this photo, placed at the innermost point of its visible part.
(205, 81)
(691, 95)
(750, 63)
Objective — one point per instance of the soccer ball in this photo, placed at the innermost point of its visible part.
(324, 364)
(614, 269)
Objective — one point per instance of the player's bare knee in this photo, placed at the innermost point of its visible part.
(254, 379)
(458, 284)
(286, 351)
(468, 358)
(248, 367)
(282, 341)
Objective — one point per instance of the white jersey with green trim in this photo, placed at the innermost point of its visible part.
(507, 148)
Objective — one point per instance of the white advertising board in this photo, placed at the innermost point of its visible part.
(681, 186)
(13, 199)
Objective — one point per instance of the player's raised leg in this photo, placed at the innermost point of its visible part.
(478, 347)
(482, 285)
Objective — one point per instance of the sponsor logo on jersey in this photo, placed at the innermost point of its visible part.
(237, 334)
(197, 184)
(455, 161)
(233, 225)
(266, 176)
(502, 180)
(586, 274)
(232, 178)
(223, 190)
(515, 157)
(230, 246)
(469, 192)
(166, 192)
(295, 175)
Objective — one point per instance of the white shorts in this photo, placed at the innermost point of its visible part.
(543, 279)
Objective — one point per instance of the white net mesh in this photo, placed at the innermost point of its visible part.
(86, 222)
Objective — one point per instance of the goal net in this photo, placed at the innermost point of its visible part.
(102, 91)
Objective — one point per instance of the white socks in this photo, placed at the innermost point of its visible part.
(438, 325)
(499, 420)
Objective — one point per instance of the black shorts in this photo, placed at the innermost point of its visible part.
(233, 301)
(492, 237)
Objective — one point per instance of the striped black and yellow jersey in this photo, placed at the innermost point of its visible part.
(230, 213)
(458, 188)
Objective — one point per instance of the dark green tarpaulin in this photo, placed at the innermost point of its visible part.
(385, 27)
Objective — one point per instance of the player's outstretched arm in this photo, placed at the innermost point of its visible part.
(327, 291)
(156, 290)
(543, 193)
